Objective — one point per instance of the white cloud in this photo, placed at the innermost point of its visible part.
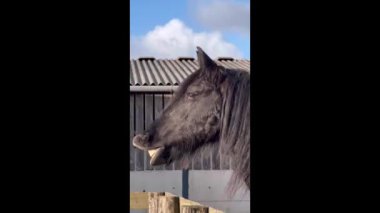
(175, 39)
(223, 15)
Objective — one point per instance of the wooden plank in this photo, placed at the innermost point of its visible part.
(212, 210)
(153, 201)
(168, 204)
(158, 106)
(186, 202)
(149, 108)
(131, 132)
(194, 209)
(139, 154)
(183, 201)
(138, 200)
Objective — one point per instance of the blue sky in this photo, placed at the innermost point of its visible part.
(172, 28)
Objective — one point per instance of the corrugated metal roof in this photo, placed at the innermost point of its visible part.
(155, 72)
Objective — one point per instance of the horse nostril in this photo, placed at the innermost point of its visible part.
(139, 138)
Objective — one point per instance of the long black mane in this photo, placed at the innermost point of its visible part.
(235, 129)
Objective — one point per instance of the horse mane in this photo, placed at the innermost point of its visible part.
(235, 127)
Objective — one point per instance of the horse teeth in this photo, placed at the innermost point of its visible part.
(152, 152)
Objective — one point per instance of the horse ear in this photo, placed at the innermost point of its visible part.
(208, 67)
(205, 62)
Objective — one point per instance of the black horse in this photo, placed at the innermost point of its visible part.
(211, 108)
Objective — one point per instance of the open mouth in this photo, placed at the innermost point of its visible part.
(157, 154)
(157, 157)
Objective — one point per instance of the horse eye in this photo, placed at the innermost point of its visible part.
(192, 94)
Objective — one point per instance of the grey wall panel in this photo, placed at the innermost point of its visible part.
(209, 188)
(149, 110)
(156, 181)
(158, 106)
(131, 131)
(167, 98)
(212, 185)
(139, 121)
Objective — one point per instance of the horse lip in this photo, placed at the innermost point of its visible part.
(158, 158)
(140, 143)
(144, 148)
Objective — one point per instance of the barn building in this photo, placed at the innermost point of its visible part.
(152, 83)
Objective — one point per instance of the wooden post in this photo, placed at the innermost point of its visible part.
(194, 209)
(168, 204)
(153, 201)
